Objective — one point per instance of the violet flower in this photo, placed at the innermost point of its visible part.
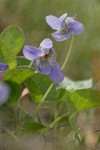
(4, 92)
(44, 59)
(65, 26)
(3, 67)
(4, 89)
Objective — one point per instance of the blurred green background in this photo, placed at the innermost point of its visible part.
(30, 16)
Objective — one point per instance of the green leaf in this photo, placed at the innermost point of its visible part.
(15, 93)
(19, 74)
(79, 99)
(32, 127)
(60, 120)
(42, 81)
(38, 85)
(84, 99)
(34, 90)
(11, 42)
(76, 100)
(56, 95)
(73, 120)
(22, 61)
(69, 84)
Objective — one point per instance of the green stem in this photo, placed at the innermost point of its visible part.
(31, 63)
(10, 133)
(54, 124)
(68, 54)
(20, 57)
(58, 119)
(23, 109)
(51, 86)
(13, 136)
(18, 114)
(44, 97)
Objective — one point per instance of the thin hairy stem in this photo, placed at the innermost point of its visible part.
(44, 97)
(68, 54)
(58, 120)
(31, 63)
(5, 130)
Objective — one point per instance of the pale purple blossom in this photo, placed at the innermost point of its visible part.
(4, 92)
(65, 26)
(4, 88)
(3, 66)
(44, 59)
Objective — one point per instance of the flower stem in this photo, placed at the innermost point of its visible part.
(44, 97)
(10, 133)
(13, 136)
(31, 63)
(57, 120)
(52, 84)
(68, 54)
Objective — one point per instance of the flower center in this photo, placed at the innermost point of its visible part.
(46, 56)
(64, 24)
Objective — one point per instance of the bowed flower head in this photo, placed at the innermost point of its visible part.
(44, 59)
(65, 26)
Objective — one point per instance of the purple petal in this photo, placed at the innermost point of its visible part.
(42, 66)
(46, 43)
(31, 52)
(4, 93)
(45, 50)
(56, 74)
(74, 26)
(61, 18)
(61, 35)
(3, 66)
(53, 22)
